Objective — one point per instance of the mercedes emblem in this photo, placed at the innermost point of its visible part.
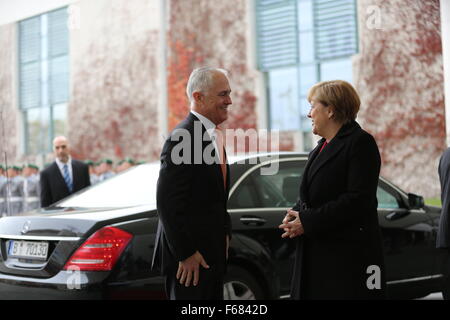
(26, 227)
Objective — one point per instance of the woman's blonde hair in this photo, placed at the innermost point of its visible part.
(341, 95)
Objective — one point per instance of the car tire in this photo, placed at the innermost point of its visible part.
(239, 284)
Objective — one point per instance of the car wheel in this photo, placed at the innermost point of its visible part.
(241, 285)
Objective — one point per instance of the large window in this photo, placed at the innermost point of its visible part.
(270, 191)
(44, 78)
(301, 42)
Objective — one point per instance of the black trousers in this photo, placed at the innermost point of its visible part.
(209, 287)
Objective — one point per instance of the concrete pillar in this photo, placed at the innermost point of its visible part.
(163, 109)
(445, 35)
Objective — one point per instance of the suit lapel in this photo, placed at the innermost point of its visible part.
(216, 165)
(331, 150)
(74, 175)
(305, 178)
(327, 154)
(206, 143)
(218, 172)
(228, 177)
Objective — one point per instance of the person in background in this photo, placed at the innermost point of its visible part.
(92, 172)
(35, 170)
(31, 187)
(97, 170)
(2, 191)
(64, 176)
(335, 222)
(125, 164)
(443, 234)
(118, 167)
(14, 191)
(106, 169)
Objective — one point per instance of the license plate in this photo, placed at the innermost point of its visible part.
(28, 249)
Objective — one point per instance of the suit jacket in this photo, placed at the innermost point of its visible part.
(443, 235)
(53, 186)
(338, 210)
(191, 201)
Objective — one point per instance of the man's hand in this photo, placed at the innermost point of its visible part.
(291, 225)
(189, 268)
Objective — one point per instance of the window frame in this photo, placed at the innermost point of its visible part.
(248, 173)
(394, 191)
(303, 125)
(46, 101)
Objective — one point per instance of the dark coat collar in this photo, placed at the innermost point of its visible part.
(191, 119)
(318, 160)
(344, 131)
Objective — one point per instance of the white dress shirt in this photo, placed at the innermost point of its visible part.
(61, 167)
(210, 128)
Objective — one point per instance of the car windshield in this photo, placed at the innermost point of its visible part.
(134, 187)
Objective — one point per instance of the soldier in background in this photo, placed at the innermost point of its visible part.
(35, 170)
(2, 191)
(92, 172)
(14, 191)
(106, 169)
(124, 164)
(31, 187)
(118, 168)
(97, 170)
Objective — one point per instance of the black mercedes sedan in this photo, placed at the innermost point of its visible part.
(98, 243)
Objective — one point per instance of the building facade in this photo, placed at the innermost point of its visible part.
(111, 74)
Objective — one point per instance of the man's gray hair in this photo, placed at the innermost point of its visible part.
(201, 80)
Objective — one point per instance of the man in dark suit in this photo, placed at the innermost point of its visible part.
(443, 236)
(194, 226)
(64, 176)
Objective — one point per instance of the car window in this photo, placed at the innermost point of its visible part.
(245, 196)
(279, 190)
(386, 200)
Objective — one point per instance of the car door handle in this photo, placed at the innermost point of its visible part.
(252, 220)
(394, 215)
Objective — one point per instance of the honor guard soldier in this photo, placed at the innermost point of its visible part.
(106, 169)
(2, 191)
(125, 164)
(14, 191)
(92, 173)
(31, 187)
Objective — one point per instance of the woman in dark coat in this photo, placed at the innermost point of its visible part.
(335, 223)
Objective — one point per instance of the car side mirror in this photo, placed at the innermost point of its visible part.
(415, 201)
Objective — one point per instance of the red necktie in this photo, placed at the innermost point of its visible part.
(323, 146)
